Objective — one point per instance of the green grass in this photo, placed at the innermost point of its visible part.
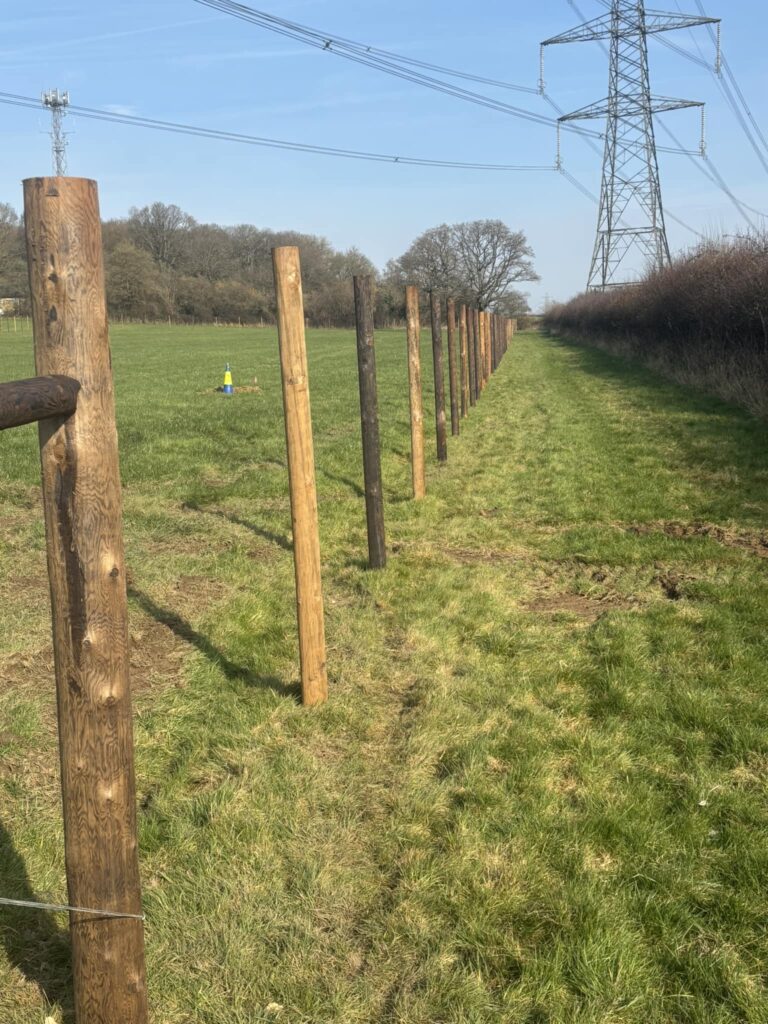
(538, 792)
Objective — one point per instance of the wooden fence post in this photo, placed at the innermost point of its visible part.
(437, 358)
(487, 347)
(86, 565)
(464, 352)
(472, 365)
(301, 473)
(476, 352)
(413, 329)
(452, 368)
(482, 341)
(369, 419)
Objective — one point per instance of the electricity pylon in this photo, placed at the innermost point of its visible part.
(57, 102)
(631, 218)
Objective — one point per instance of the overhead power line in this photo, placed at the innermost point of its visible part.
(728, 85)
(728, 92)
(705, 167)
(338, 43)
(179, 128)
(631, 186)
(391, 64)
(710, 172)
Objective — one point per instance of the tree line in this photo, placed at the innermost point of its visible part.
(161, 263)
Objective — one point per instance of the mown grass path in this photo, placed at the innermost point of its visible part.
(538, 793)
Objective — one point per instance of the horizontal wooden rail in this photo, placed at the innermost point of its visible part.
(37, 398)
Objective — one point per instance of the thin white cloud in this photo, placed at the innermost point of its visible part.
(199, 60)
(64, 44)
(121, 108)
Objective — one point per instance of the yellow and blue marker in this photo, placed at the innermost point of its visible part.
(228, 388)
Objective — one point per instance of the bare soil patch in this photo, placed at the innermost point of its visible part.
(756, 542)
(588, 608)
(156, 654)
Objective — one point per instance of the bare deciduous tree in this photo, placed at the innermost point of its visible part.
(162, 231)
(476, 262)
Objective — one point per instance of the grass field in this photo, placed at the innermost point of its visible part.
(538, 792)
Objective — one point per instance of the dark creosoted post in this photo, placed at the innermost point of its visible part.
(369, 418)
(463, 353)
(472, 351)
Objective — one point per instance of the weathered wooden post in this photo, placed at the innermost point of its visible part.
(452, 368)
(464, 352)
(369, 419)
(482, 340)
(83, 521)
(476, 352)
(437, 359)
(301, 473)
(413, 329)
(487, 346)
(470, 359)
(486, 349)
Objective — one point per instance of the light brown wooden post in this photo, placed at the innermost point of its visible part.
(453, 382)
(464, 351)
(413, 320)
(86, 565)
(301, 473)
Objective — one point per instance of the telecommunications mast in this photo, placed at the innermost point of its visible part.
(57, 102)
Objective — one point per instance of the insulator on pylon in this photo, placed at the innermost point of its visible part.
(542, 83)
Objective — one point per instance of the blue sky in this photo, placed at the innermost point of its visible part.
(178, 60)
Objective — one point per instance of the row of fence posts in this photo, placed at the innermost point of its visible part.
(72, 400)
(483, 338)
(11, 324)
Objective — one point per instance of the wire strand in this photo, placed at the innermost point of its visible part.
(179, 128)
(368, 57)
(61, 908)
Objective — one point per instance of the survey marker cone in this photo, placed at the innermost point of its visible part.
(228, 388)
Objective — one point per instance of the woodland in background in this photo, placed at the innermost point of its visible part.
(703, 321)
(161, 263)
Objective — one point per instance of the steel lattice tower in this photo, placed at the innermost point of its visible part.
(631, 219)
(57, 102)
